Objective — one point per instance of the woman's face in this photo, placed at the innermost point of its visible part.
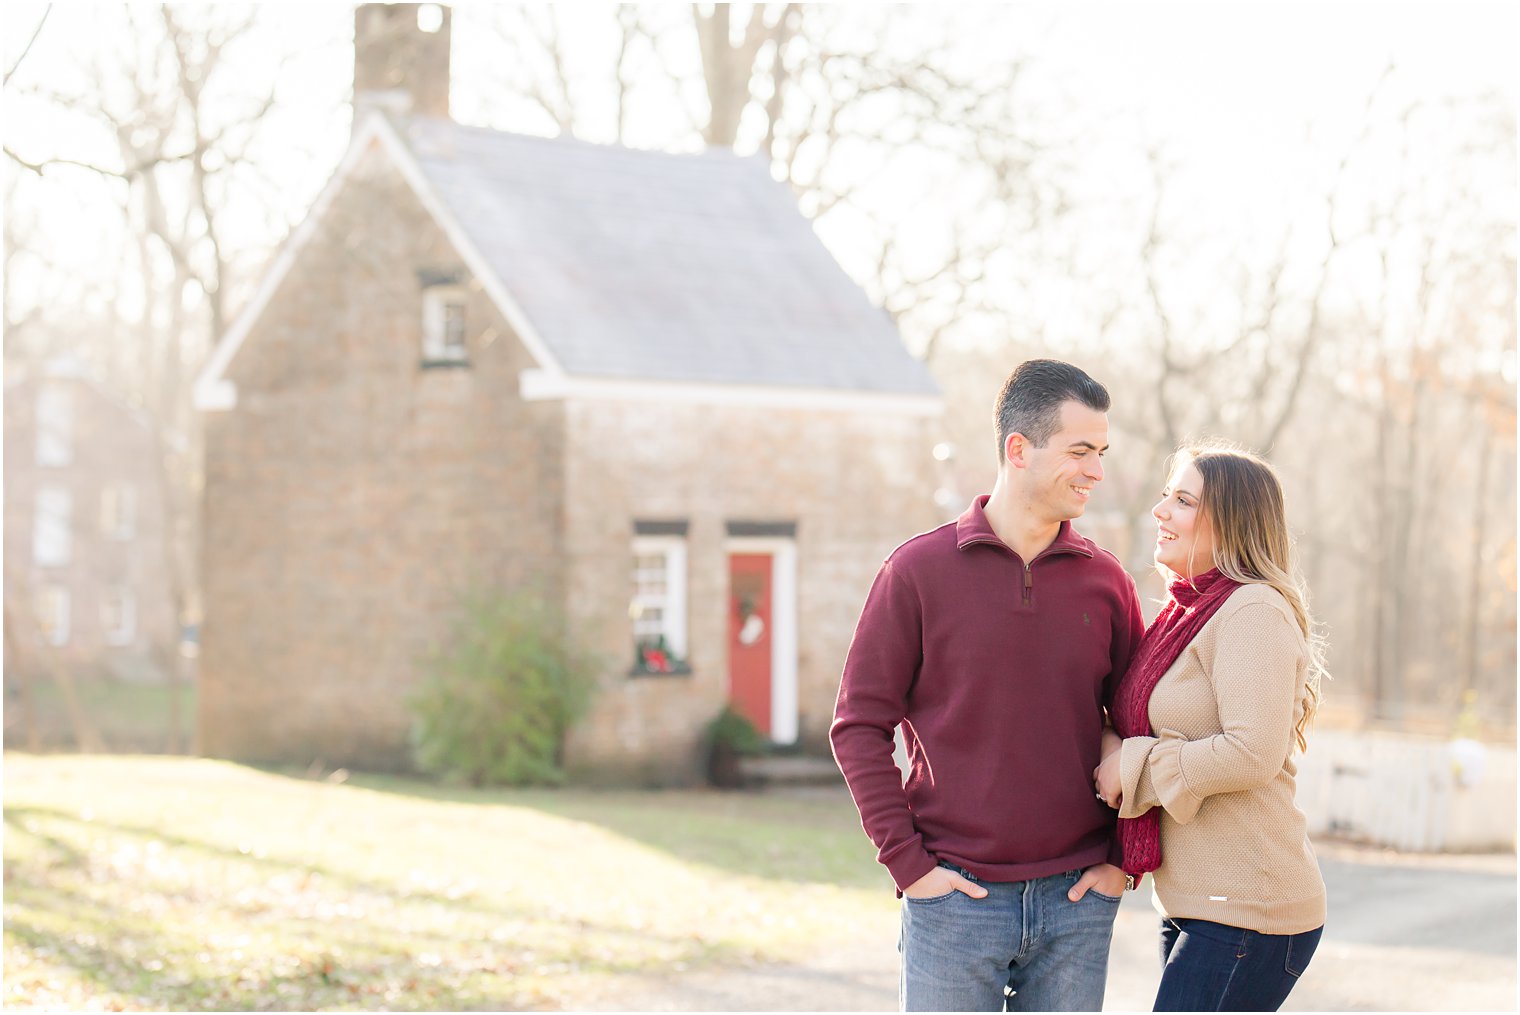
(1184, 541)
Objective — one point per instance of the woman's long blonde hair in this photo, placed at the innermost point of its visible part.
(1243, 502)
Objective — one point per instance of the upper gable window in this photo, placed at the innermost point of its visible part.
(443, 324)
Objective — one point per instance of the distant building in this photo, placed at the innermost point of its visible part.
(86, 573)
(633, 378)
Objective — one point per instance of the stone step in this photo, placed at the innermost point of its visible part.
(790, 770)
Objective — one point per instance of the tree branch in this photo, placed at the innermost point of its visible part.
(28, 47)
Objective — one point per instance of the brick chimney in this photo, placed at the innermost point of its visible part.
(401, 59)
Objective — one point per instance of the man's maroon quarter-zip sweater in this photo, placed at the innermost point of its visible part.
(999, 670)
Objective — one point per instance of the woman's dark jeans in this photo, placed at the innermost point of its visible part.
(1213, 967)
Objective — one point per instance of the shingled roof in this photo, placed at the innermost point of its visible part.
(636, 264)
(623, 265)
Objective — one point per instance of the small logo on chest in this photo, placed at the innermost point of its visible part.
(1086, 620)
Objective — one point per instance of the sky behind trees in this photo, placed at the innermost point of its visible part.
(1247, 99)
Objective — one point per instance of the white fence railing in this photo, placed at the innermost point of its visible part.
(1406, 792)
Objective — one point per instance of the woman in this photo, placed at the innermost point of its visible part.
(1215, 700)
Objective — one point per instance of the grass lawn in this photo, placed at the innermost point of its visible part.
(128, 716)
(163, 883)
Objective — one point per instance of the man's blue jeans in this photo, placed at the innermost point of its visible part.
(1026, 946)
(1209, 966)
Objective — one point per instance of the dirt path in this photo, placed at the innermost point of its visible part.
(1406, 933)
(860, 975)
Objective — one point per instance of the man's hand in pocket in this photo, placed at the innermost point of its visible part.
(943, 881)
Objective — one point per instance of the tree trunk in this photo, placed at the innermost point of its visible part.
(1475, 562)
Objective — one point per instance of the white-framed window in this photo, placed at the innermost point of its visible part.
(55, 425)
(118, 511)
(443, 324)
(657, 608)
(51, 530)
(118, 615)
(53, 614)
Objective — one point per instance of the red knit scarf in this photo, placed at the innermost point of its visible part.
(1188, 607)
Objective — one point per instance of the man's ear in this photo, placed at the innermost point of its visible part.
(1014, 450)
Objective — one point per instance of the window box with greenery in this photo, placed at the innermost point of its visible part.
(654, 657)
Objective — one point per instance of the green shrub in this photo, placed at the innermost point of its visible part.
(502, 695)
(730, 728)
(730, 736)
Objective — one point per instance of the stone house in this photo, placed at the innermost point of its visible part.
(87, 572)
(634, 380)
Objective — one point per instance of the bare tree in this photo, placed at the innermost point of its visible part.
(729, 64)
(837, 113)
(10, 71)
(1245, 376)
(161, 113)
(1361, 349)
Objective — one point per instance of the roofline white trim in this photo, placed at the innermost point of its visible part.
(213, 392)
(536, 385)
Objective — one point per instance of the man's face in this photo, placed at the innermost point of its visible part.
(1060, 477)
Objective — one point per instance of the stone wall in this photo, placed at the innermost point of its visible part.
(856, 484)
(354, 494)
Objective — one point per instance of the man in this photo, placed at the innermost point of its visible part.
(996, 641)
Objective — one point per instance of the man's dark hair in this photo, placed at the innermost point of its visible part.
(1031, 400)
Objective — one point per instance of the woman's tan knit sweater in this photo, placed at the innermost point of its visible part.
(1234, 846)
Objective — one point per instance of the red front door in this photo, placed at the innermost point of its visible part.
(749, 637)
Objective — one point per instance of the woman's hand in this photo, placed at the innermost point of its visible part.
(1112, 741)
(1106, 780)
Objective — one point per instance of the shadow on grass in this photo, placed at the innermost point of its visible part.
(68, 854)
(351, 886)
(362, 978)
(128, 933)
(801, 838)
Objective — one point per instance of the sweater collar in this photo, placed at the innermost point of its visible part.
(1209, 584)
(972, 527)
